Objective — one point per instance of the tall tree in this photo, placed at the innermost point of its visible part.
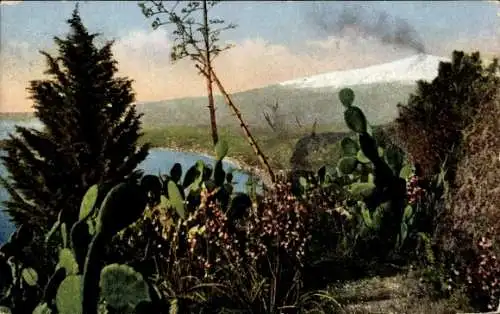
(188, 44)
(195, 38)
(90, 133)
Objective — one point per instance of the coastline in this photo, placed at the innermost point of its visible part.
(237, 163)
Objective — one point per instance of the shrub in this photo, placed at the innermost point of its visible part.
(221, 247)
(474, 206)
(430, 125)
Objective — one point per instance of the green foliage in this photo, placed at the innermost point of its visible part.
(361, 190)
(88, 203)
(349, 146)
(4, 309)
(78, 284)
(469, 240)
(430, 125)
(122, 287)
(370, 198)
(346, 97)
(42, 309)
(175, 198)
(68, 298)
(90, 134)
(189, 34)
(68, 262)
(347, 165)
(112, 218)
(185, 198)
(74, 286)
(30, 276)
(355, 119)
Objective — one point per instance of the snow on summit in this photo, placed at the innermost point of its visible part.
(407, 70)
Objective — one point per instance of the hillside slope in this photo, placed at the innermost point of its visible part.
(378, 101)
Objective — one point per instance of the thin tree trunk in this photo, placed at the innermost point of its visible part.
(260, 155)
(208, 77)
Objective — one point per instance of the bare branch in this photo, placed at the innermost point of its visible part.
(299, 124)
(269, 121)
(313, 131)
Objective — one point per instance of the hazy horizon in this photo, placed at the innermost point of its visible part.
(274, 41)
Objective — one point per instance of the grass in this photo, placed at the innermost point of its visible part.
(278, 147)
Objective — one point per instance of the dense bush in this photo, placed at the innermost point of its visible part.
(474, 208)
(214, 244)
(430, 125)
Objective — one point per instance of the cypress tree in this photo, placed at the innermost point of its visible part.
(90, 134)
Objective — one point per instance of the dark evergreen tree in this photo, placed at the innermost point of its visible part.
(90, 134)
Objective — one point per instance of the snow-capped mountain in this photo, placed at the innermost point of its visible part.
(407, 70)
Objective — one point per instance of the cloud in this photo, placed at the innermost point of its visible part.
(355, 22)
(254, 62)
(251, 63)
(9, 2)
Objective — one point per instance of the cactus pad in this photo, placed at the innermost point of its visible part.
(355, 119)
(349, 146)
(346, 97)
(176, 200)
(122, 287)
(347, 165)
(68, 298)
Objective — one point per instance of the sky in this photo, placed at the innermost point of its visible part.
(274, 41)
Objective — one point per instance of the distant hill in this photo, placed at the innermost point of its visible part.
(379, 102)
(16, 116)
(378, 88)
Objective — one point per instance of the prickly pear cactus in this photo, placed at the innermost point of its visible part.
(385, 195)
(88, 203)
(123, 205)
(355, 119)
(30, 276)
(122, 287)
(361, 190)
(346, 97)
(68, 298)
(50, 291)
(67, 261)
(42, 308)
(347, 165)
(219, 174)
(192, 175)
(5, 310)
(349, 146)
(176, 199)
(176, 172)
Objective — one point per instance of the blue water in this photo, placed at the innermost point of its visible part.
(158, 160)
